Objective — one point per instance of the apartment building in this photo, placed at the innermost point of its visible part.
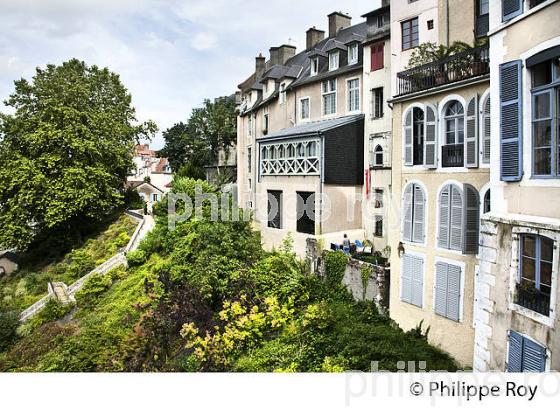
(440, 167)
(378, 124)
(517, 326)
(301, 138)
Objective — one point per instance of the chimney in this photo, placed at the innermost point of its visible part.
(313, 37)
(337, 22)
(385, 3)
(260, 64)
(273, 56)
(285, 52)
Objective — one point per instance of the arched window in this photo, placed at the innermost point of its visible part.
(312, 149)
(414, 205)
(453, 148)
(485, 131)
(486, 203)
(378, 156)
(291, 151)
(300, 150)
(418, 136)
(450, 216)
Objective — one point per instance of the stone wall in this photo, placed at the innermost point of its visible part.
(368, 282)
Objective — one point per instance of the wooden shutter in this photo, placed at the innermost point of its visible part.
(511, 9)
(471, 219)
(406, 278)
(407, 213)
(408, 138)
(443, 232)
(515, 355)
(417, 281)
(419, 206)
(534, 356)
(377, 58)
(381, 52)
(453, 292)
(510, 121)
(456, 218)
(440, 294)
(430, 137)
(471, 137)
(485, 129)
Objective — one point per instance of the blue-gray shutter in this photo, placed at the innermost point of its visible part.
(430, 137)
(406, 278)
(515, 355)
(471, 219)
(511, 121)
(534, 356)
(440, 291)
(443, 232)
(419, 206)
(456, 220)
(408, 159)
(417, 281)
(471, 135)
(407, 213)
(485, 128)
(453, 292)
(511, 9)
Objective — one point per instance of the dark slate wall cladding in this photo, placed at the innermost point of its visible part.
(344, 155)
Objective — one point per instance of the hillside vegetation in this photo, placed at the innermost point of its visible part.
(206, 297)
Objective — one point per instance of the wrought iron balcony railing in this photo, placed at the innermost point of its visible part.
(452, 155)
(461, 66)
(533, 299)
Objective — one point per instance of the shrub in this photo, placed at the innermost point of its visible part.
(9, 322)
(94, 286)
(136, 258)
(122, 240)
(80, 265)
(52, 311)
(336, 265)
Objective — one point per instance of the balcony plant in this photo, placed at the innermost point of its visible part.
(428, 53)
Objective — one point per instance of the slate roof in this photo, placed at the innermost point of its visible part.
(313, 127)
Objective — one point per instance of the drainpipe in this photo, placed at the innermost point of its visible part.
(321, 182)
(447, 23)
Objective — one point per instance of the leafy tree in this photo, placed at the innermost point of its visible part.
(65, 152)
(9, 321)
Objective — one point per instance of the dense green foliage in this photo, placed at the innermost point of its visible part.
(38, 267)
(206, 297)
(65, 152)
(210, 129)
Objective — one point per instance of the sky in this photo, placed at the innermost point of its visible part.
(170, 54)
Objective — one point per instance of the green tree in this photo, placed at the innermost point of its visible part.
(65, 152)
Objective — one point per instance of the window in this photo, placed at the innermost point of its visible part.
(511, 9)
(482, 22)
(447, 292)
(333, 60)
(546, 118)
(418, 136)
(409, 33)
(250, 125)
(430, 24)
(155, 197)
(412, 280)
(535, 273)
(314, 66)
(378, 225)
(486, 205)
(265, 120)
(483, 7)
(510, 121)
(485, 131)
(352, 54)
(381, 20)
(450, 233)
(282, 93)
(377, 56)
(535, 3)
(249, 159)
(453, 150)
(306, 212)
(378, 198)
(329, 97)
(299, 157)
(275, 209)
(525, 355)
(414, 204)
(304, 108)
(353, 95)
(377, 103)
(265, 88)
(378, 156)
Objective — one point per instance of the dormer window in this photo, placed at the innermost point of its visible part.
(315, 66)
(333, 61)
(352, 54)
(282, 93)
(265, 88)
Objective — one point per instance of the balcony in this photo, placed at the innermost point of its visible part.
(457, 67)
(452, 155)
(533, 299)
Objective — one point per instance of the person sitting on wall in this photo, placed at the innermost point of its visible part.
(346, 245)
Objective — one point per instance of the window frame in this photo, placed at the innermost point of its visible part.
(422, 257)
(378, 227)
(450, 184)
(461, 266)
(353, 59)
(336, 56)
(314, 69)
(270, 222)
(301, 100)
(376, 152)
(377, 104)
(282, 93)
(414, 184)
(331, 91)
(410, 44)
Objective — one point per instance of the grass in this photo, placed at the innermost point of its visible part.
(29, 284)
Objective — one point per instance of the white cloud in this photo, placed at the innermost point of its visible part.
(204, 41)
